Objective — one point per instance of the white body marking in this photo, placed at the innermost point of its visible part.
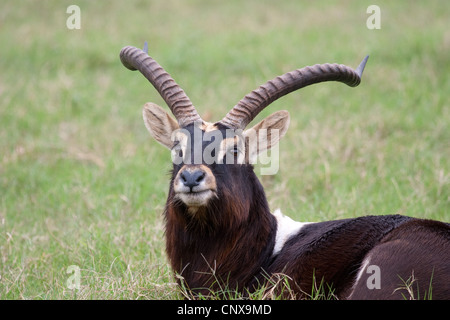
(362, 268)
(286, 228)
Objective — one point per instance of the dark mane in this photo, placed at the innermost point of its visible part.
(230, 238)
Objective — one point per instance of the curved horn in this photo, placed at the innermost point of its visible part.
(177, 100)
(254, 102)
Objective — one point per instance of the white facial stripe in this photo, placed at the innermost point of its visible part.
(226, 145)
(181, 136)
(286, 228)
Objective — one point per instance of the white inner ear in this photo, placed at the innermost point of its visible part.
(265, 134)
(159, 123)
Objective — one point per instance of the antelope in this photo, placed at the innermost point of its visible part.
(218, 225)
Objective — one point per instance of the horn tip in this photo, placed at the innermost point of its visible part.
(145, 49)
(361, 66)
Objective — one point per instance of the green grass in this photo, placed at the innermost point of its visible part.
(82, 183)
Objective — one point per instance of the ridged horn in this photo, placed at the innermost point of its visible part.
(254, 102)
(176, 99)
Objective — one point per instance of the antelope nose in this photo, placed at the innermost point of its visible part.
(192, 179)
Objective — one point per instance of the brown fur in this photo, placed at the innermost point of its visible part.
(417, 252)
(227, 241)
(227, 235)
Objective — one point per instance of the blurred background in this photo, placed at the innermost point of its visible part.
(82, 183)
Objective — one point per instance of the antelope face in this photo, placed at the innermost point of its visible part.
(210, 160)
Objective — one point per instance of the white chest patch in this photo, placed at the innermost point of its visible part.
(286, 228)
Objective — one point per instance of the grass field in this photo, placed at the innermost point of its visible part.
(82, 183)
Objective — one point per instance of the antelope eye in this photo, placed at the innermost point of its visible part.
(234, 152)
(231, 155)
(177, 149)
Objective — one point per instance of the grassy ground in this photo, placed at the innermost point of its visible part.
(82, 183)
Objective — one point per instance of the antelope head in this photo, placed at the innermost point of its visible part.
(212, 161)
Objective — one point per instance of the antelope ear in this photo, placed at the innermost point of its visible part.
(159, 123)
(266, 134)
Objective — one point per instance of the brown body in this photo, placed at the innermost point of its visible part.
(220, 231)
(415, 263)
